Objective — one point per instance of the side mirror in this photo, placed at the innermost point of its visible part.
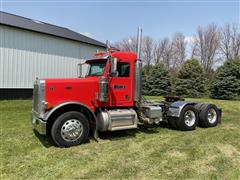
(113, 67)
(79, 70)
(82, 69)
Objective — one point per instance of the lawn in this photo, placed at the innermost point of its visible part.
(145, 153)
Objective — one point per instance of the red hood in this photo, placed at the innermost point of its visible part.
(71, 80)
(73, 89)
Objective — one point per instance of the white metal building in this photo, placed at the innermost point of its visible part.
(31, 48)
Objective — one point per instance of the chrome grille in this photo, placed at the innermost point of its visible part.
(35, 96)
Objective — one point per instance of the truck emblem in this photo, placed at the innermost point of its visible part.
(51, 88)
(118, 87)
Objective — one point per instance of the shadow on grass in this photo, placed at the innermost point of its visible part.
(44, 139)
(47, 142)
(126, 134)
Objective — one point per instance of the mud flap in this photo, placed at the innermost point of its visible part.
(220, 119)
(95, 134)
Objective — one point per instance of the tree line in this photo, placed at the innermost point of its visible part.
(191, 80)
(170, 69)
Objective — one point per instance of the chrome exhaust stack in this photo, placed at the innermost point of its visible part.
(138, 71)
(108, 46)
(139, 43)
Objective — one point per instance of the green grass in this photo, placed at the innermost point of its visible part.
(145, 153)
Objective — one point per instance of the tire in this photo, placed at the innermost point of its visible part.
(199, 106)
(172, 122)
(209, 115)
(70, 129)
(188, 119)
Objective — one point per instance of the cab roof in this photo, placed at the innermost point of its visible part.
(125, 55)
(117, 54)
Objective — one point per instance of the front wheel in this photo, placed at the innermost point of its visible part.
(70, 129)
(188, 119)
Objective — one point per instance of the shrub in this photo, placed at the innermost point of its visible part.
(226, 82)
(190, 80)
(145, 86)
(157, 81)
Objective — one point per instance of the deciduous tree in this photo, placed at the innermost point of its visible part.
(230, 41)
(147, 51)
(179, 50)
(206, 46)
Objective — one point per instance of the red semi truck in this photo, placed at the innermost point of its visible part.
(108, 98)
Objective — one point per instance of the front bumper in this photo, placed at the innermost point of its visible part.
(38, 124)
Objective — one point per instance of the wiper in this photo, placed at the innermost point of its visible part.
(92, 75)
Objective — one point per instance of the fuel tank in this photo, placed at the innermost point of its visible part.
(117, 119)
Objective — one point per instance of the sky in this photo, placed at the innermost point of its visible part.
(114, 20)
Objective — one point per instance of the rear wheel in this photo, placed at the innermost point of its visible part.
(172, 122)
(188, 119)
(70, 129)
(209, 115)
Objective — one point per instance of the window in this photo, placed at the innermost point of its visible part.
(123, 69)
(96, 68)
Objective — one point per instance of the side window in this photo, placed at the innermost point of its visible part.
(123, 69)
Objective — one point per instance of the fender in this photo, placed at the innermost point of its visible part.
(94, 129)
(176, 108)
(48, 114)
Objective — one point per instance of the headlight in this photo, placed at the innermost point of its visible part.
(43, 106)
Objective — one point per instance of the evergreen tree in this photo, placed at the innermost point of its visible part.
(190, 81)
(158, 81)
(226, 82)
(145, 87)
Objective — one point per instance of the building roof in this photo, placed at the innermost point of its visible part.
(42, 27)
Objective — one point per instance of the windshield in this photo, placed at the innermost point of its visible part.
(96, 68)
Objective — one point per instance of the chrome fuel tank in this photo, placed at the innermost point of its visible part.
(117, 119)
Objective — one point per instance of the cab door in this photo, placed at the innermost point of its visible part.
(121, 86)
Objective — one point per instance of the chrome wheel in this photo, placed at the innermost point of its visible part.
(71, 130)
(189, 118)
(212, 116)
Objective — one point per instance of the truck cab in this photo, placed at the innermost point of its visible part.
(107, 97)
